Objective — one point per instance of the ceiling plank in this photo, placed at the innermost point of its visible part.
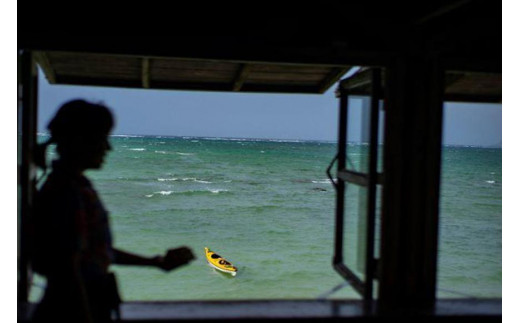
(145, 76)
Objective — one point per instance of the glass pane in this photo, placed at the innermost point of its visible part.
(354, 238)
(377, 229)
(380, 140)
(358, 135)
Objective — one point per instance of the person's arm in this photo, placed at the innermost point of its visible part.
(122, 257)
(174, 258)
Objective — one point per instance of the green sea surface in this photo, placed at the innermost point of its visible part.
(268, 207)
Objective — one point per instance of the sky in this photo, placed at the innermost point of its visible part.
(248, 115)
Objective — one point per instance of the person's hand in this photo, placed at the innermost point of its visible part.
(175, 258)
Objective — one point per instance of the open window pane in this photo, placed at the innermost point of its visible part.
(358, 135)
(470, 244)
(355, 223)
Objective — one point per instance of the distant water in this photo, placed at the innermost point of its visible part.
(268, 207)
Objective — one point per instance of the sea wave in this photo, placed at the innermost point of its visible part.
(189, 192)
(127, 136)
(186, 179)
(164, 192)
(322, 181)
(216, 191)
(167, 179)
(284, 140)
(137, 149)
(253, 139)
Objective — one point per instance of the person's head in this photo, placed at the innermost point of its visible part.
(80, 131)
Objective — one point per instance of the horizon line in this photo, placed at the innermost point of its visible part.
(279, 139)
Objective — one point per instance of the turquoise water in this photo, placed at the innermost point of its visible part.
(268, 207)
(471, 222)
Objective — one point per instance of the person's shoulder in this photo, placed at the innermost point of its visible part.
(58, 184)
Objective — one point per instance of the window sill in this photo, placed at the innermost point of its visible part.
(485, 310)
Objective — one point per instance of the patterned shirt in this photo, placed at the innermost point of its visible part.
(70, 219)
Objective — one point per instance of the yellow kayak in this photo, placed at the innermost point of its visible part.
(219, 263)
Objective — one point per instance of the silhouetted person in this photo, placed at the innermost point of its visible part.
(72, 243)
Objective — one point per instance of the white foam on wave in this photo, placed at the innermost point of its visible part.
(490, 182)
(160, 152)
(186, 179)
(138, 149)
(167, 179)
(127, 136)
(164, 192)
(149, 195)
(284, 140)
(322, 181)
(216, 191)
(184, 154)
(193, 179)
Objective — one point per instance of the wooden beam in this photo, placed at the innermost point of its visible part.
(195, 86)
(472, 98)
(442, 11)
(451, 78)
(332, 78)
(145, 74)
(355, 54)
(243, 72)
(43, 60)
(357, 86)
(361, 78)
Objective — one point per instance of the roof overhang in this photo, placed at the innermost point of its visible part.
(476, 87)
(177, 73)
(280, 52)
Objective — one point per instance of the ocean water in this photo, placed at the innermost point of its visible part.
(268, 207)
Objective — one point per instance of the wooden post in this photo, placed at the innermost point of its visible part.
(27, 176)
(412, 154)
